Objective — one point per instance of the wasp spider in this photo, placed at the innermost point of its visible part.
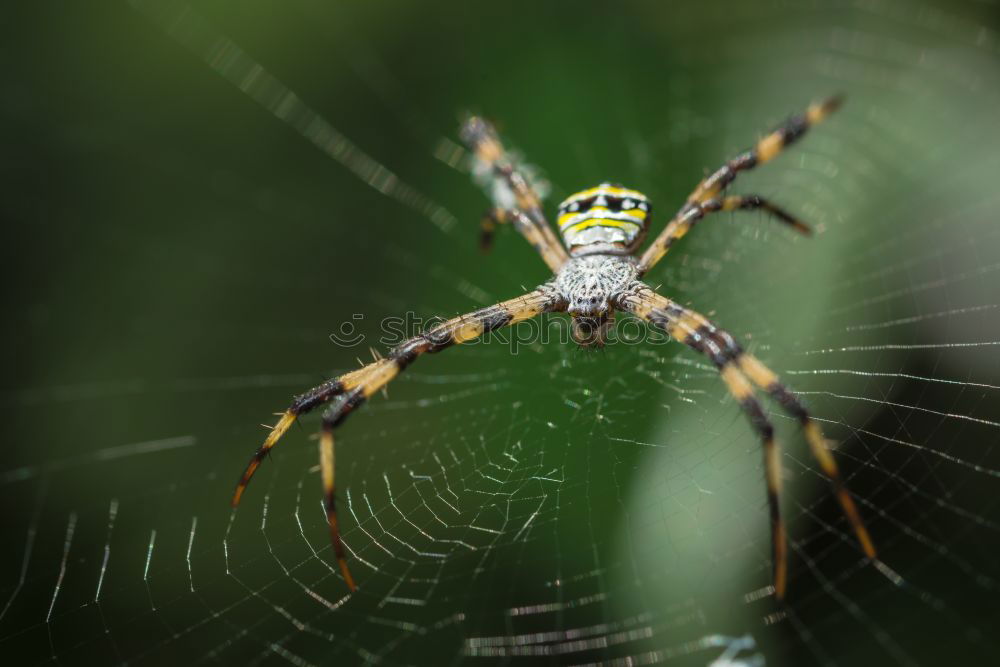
(597, 271)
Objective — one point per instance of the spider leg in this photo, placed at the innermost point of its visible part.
(693, 213)
(739, 387)
(766, 379)
(531, 232)
(740, 371)
(752, 202)
(300, 405)
(352, 389)
(513, 191)
(358, 385)
(766, 148)
(712, 186)
(488, 226)
(329, 500)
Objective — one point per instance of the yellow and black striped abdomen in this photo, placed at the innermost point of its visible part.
(604, 219)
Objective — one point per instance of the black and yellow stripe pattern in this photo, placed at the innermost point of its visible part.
(607, 218)
(685, 221)
(766, 149)
(349, 391)
(741, 372)
(706, 198)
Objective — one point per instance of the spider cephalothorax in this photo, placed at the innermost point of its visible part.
(592, 286)
(606, 219)
(595, 274)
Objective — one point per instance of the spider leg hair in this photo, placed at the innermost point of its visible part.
(525, 211)
(740, 371)
(351, 390)
(711, 187)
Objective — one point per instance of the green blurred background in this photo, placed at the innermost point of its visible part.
(178, 257)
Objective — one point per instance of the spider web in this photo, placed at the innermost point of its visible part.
(548, 504)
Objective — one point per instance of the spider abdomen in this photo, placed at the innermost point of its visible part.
(606, 219)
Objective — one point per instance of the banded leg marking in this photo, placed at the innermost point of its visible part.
(326, 463)
(753, 202)
(766, 149)
(766, 379)
(712, 186)
(347, 383)
(488, 226)
(739, 386)
(354, 388)
(482, 139)
(351, 390)
(691, 214)
(740, 372)
(532, 233)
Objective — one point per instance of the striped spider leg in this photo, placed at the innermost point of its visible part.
(349, 391)
(741, 371)
(514, 197)
(706, 197)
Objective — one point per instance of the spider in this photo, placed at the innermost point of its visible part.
(596, 272)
